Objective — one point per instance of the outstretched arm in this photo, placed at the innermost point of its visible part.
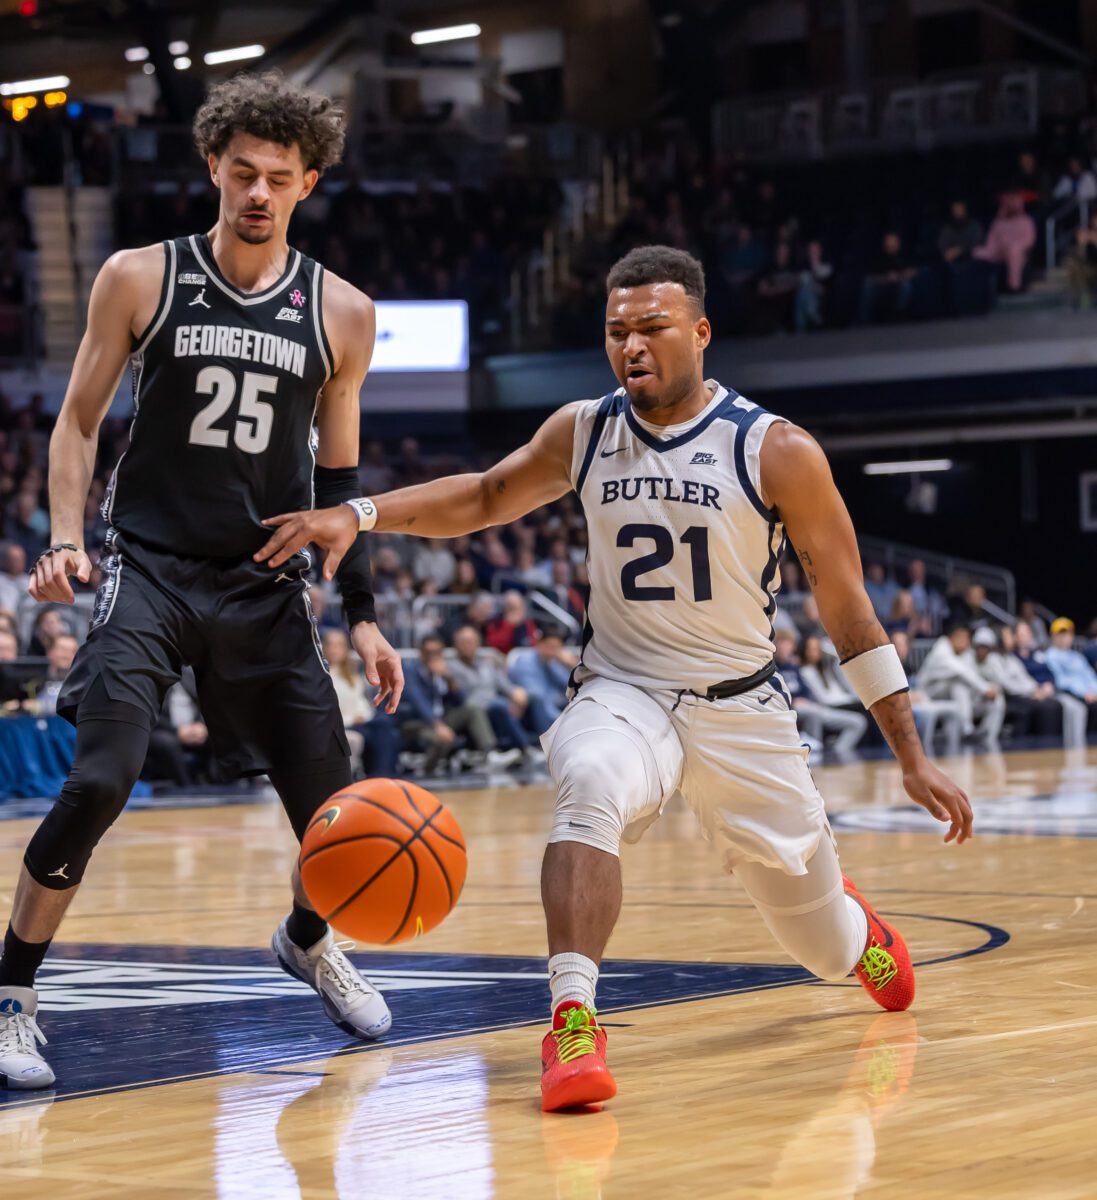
(535, 474)
(796, 479)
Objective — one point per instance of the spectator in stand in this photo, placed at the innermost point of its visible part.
(59, 656)
(1010, 240)
(563, 590)
(9, 646)
(776, 291)
(842, 710)
(1076, 182)
(928, 603)
(949, 673)
(813, 281)
(928, 713)
(28, 524)
(836, 709)
(436, 713)
(881, 590)
(808, 622)
(543, 671)
(887, 291)
(1029, 613)
(374, 471)
(1030, 709)
(969, 607)
(13, 576)
(49, 623)
(1032, 183)
(959, 238)
(479, 614)
(809, 718)
(1081, 264)
(1034, 660)
(464, 582)
(374, 736)
(1072, 671)
(528, 571)
(179, 750)
(513, 627)
(434, 560)
(482, 677)
(903, 615)
(386, 566)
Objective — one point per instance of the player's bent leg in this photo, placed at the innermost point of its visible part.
(108, 758)
(606, 778)
(826, 925)
(303, 943)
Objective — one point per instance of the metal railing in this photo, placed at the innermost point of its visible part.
(1053, 238)
(945, 570)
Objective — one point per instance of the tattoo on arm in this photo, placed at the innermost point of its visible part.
(895, 717)
(501, 486)
(806, 559)
(859, 636)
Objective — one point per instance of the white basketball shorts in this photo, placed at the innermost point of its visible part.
(738, 763)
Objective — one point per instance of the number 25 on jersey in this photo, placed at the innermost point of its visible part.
(251, 430)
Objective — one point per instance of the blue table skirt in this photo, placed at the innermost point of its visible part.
(35, 755)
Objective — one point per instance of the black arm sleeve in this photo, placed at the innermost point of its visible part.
(353, 578)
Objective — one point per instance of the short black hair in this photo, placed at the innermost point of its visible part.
(271, 108)
(551, 629)
(952, 627)
(659, 264)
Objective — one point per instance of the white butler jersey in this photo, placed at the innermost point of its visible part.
(683, 552)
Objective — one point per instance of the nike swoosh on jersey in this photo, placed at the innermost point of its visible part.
(610, 453)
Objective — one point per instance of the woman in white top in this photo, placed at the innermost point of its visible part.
(374, 737)
(836, 703)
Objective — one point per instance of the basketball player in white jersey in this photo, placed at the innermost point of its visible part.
(689, 491)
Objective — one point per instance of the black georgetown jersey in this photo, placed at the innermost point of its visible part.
(225, 388)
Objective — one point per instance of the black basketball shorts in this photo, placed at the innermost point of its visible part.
(249, 633)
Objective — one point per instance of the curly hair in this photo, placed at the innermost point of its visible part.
(269, 107)
(659, 264)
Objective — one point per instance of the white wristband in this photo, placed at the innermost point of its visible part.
(875, 674)
(366, 510)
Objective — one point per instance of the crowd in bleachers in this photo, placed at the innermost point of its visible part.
(489, 624)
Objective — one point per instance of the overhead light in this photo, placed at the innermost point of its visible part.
(216, 57)
(55, 99)
(451, 33)
(137, 53)
(49, 84)
(178, 47)
(913, 466)
(182, 63)
(149, 69)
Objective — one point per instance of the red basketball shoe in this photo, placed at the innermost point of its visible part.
(884, 970)
(573, 1060)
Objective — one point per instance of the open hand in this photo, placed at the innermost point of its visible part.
(940, 797)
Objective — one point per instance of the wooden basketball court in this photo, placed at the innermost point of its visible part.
(189, 1066)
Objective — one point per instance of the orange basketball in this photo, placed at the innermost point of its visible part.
(383, 861)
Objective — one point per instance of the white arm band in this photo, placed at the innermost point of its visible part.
(875, 674)
(366, 510)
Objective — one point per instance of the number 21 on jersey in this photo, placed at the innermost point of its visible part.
(696, 538)
(251, 430)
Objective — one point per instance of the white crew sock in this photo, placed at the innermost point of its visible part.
(572, 977)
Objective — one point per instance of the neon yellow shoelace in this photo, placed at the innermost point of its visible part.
(878, 966)
(577, 1036)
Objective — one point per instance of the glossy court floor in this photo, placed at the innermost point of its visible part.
(190, 1067)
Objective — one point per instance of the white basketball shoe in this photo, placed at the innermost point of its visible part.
(349, 999)
(21, 1065)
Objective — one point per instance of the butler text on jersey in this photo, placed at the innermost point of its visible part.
(661, 488)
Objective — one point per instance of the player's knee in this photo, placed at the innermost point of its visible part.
(89, 804)
(598, 781)
(827, 962)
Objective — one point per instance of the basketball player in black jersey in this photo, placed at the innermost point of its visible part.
(240, 346)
